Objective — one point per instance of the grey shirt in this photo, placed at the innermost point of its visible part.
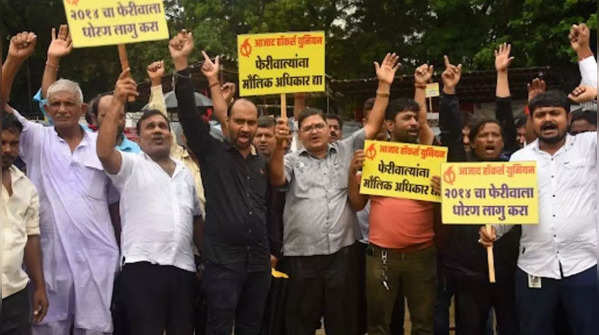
(318, 219)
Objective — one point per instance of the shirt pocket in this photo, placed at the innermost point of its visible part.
(339, 174)
(575, 172)
(184, 192)
(93, 180)
(310, 182)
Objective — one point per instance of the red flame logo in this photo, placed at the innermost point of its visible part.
(246, 49)
(371, 152)
(449, 176)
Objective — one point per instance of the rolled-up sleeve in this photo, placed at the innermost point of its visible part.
(30, 140)
(120, 179)
(288, 163)
(32, 216)
(588, 71)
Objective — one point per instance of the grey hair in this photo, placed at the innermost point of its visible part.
(65, 85)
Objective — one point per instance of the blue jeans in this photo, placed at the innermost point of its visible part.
(537, 307)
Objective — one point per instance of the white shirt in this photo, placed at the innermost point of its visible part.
(157, 212)
(588, 71)
(79, 249)
(566, 233)
(21, 221)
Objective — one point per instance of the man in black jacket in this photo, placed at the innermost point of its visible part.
(235, 245)
(463, 259)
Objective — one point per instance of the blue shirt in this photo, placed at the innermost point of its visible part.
(128, 146)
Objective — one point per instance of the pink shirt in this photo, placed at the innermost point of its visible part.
(400, 223)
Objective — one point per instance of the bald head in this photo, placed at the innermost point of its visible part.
(243, 105)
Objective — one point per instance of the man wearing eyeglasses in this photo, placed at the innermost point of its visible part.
(320, 228)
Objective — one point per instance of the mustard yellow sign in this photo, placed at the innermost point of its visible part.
(432, 90)
(108, 22)
(490, 193)
(401, 170)
(277, 63)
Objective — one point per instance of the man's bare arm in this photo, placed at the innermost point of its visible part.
(422, 76)
(60, 46)
(111, 158)
(385, 74)
(210, 70)
(33, 261)
(21, 47)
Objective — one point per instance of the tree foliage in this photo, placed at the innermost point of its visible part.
(358, 33)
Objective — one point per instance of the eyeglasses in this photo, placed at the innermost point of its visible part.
(318, 127)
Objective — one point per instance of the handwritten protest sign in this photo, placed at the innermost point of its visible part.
(401, 170)
(277, 63)
(490, 193)
(108, 22)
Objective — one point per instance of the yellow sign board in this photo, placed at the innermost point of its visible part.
(432, 90)
(490, 193)
(108, 22)
(277, 63)
(401, 170)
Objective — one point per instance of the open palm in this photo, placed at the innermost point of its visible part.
(502, 57)
(62, 44)
(386, 71)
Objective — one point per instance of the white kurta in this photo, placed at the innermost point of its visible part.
(80, 254)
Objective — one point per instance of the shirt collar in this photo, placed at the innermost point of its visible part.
(331, 148)
(15, 174)
(569, 141)
(128, 146)
(230, 147)
(84, 140)
(178, 164)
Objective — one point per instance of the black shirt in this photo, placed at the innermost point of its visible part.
(460, 253)
(236, 190)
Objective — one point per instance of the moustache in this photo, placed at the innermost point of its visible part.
(548, 125)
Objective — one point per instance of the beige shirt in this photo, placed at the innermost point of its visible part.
(22, 220)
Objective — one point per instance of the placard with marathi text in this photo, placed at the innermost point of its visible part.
(277, 63)
(490, 193)
(401, 170)
(108, 22)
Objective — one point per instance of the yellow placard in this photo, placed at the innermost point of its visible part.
(490, 193)
(432, 90)
(277, 63)
(401, 170)
(108, 22)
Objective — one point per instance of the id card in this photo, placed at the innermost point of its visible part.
(534, 282)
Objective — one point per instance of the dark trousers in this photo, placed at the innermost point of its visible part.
(413, 275)
(398, 316)
(15, 314)
(361, 250)
(399, 309)
(445, 291)
(156, 298)
(323, 286)
(474, 300)
(537, 307)
(234, 296)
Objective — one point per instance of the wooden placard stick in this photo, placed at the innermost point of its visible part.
(490, 259)
(124, 64)
(283, 106)
(430, 104)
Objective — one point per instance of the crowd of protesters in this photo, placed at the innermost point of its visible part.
(103, 235)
